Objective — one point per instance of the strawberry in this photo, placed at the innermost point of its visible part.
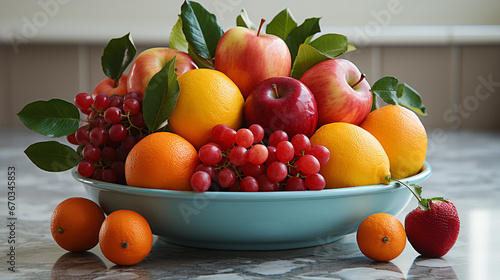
(432, 228)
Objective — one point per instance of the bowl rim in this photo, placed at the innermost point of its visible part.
(255, 196)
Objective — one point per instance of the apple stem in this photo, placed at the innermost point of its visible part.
(360, 79)
(260, 26)
(275, 88)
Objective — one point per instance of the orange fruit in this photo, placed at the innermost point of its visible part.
(161, 160)
(356, 157)
(381, 237)
(403, 137)
(207, 98)
(75, 224)
(125, 237)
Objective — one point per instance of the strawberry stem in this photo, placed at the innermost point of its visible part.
(423, 203)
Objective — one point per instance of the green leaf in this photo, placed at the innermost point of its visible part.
(116, 56)
(53, 118)
(386, 89)
(410, 98)
(244, 21)
(392, 92)
(302, 34)
(417, 189)
(307, 57)
(160, 97)
(177, 40)
(331, 45)
(52, 156)
(200, 61)
(200, 28)
(282, 24)
(324, 47)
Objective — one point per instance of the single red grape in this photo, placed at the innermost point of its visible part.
(285, 151)
(258, 154)
(301, 144)
(117, 132)
(85, 168)
(83, 101)
(244, 137)
(99, 122)
(113, 115)
(277, 171)
(308, 165)
(200, 181)
(207, 168)
(227, 178)
(238, 156)
(101, 101)
(258, 132)
(92, 153)
(98, 136)
(82, 135)
(276, 137)
(251, 169)
(271, 155)
(228, 136)
(321, 153)
(295, 184)
(116, 101)
(315, 182)
(210, 154)
(131, 105)
(72, 139)
(249, 184)
(266, 184)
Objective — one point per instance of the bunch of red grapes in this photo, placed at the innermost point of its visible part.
(113, 126)
(240, 161)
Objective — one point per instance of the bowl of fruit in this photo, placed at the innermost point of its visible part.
(241, 139)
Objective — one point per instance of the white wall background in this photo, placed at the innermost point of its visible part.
(150, 21)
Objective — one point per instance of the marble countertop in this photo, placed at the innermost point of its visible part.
(466, 170)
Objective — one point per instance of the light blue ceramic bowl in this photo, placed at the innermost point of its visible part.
(253, 221)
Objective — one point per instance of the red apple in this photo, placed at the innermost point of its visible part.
(109, 87)
(282, 103)
(151, 61)
(248, 57)
(341, 91)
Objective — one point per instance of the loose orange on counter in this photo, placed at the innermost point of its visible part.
(381, 237)
(125, 237)
(75, 224)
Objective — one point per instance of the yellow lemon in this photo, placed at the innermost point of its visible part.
(356, 157)
(207, 98)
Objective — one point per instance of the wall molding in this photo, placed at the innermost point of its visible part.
(362, 35)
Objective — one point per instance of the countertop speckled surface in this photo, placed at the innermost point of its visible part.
(466, 170)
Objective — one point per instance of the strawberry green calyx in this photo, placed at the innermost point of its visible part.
(416, 190)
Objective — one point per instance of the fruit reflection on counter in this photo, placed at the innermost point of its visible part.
(268, 112)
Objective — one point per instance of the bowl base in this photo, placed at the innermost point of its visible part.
(247, 246)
